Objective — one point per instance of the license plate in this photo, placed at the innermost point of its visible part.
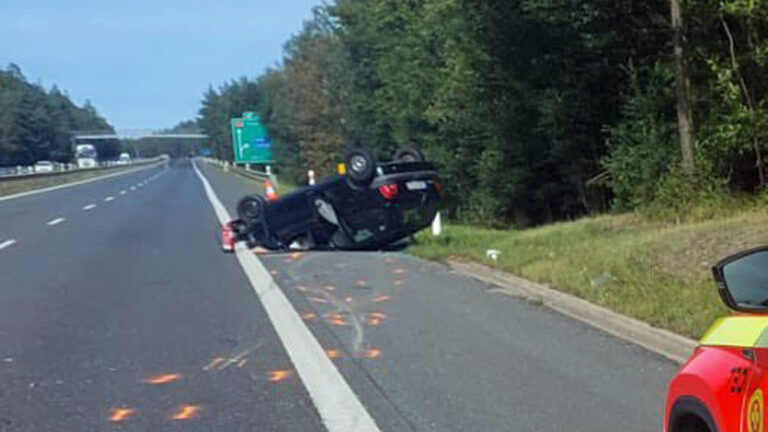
(416, 185)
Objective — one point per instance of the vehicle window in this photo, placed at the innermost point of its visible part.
(747, 279)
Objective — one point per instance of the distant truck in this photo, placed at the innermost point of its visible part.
(124, 159)
(86, 156)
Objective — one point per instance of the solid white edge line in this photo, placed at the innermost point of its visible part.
(338, 406)
(55, 221)
(77, 183)
(7, 243)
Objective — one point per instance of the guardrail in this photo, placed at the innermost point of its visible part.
(243, 171)
(29, 172)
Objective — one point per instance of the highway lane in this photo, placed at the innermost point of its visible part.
(429, 350)
(25, 218)
(127, 315)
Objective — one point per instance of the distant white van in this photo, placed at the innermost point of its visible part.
(124, 159)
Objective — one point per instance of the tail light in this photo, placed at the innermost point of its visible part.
(438, 187)
(388, 191)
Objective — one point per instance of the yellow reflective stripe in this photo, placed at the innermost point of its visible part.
(741, 331)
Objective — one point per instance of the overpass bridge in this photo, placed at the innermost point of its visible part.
(136, 134)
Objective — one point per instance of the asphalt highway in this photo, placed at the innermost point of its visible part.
(122, 314)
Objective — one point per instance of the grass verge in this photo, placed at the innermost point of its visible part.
(652, 271)
(282, 187)
(10, 187)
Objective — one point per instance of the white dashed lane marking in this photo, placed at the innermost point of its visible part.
(108, 199)
(122, 192)
(89, 207)
(7, 243)
(55, 221)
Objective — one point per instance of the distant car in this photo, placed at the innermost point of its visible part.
(43, 167)
(124, 159)
(371, 206)
(722, 386)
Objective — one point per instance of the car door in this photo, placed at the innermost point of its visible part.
(756, 385)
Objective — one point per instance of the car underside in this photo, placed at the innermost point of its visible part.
(372, 206)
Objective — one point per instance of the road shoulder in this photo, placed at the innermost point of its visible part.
(660, 341)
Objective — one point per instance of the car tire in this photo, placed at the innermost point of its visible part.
(361, 166)
(409, 155)
(251, 209)
(689, 414)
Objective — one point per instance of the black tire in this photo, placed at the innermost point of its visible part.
(251, 209)
(409, 155)
(690, 415)
(361, 166)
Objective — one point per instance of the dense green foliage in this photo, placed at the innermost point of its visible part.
(533, 110)
(36, 124)
(221, 105)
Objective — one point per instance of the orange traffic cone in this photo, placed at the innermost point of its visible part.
(269, 191)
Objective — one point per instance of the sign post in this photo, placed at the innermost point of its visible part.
(250, 140)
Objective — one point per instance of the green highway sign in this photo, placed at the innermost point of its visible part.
(250, 140)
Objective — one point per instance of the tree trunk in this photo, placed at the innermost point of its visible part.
(682, 93)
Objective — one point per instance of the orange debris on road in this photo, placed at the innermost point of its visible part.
(338, 320)
(333, 353)
(214, 362)
(120, 414)
(186, 412)
(279, 375)
(163, 379)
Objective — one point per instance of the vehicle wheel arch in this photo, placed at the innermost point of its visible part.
(690, 414)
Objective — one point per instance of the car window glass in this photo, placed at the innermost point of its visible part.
(747, 279)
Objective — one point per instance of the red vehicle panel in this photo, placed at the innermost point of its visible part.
(722, 386)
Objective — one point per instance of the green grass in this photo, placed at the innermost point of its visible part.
(10, 187)
(652, 271)
(282, 187)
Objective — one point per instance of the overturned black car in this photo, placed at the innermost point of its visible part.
(371, 206)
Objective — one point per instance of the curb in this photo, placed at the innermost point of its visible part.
(670, 345)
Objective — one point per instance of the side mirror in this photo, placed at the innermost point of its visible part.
(742, 280)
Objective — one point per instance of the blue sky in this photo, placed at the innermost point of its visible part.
(145, 63)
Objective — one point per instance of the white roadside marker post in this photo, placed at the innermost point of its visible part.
(437, 225)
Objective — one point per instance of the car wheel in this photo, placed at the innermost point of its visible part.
(361, 166)
(409, 155)
(251, 208)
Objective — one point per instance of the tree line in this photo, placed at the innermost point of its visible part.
(534, 111)
(37, 124)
